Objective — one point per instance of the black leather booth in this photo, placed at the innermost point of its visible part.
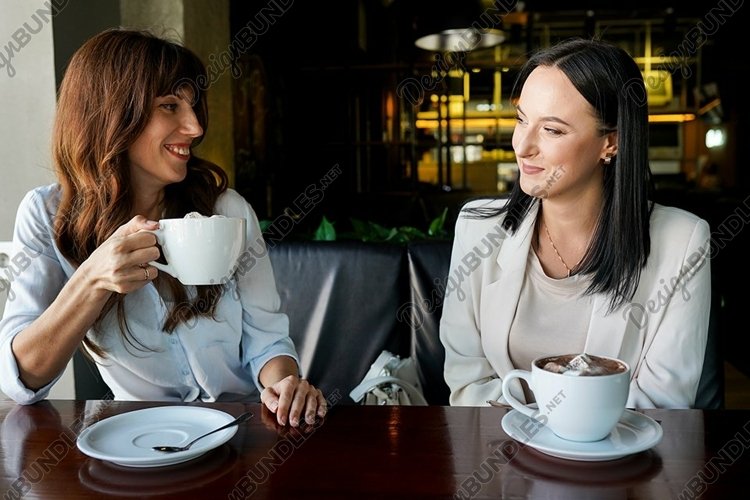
(347, 301)
(342, 299)
(428, 275)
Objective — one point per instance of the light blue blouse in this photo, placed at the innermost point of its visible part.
(203, 359)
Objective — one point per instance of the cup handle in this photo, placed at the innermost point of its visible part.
(159, 233)
(516, 404)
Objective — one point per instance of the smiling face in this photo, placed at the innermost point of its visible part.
(558, 139)
(159, 156)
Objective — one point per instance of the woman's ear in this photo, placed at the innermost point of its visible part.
(610, 144)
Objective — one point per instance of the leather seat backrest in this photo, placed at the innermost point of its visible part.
(429, 263)
(342, 300)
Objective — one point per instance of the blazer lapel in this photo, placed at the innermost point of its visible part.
(621, 333)
(500, 297)
(606, 331)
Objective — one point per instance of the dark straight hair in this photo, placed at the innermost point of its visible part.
(610, 80)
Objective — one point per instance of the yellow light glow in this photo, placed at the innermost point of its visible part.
(428, 119)
(709, 106)
(658, 87)
(674, 118)
(470, 113)
(470, 123)
(455, 108)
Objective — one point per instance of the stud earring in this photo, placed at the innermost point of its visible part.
(607, 160)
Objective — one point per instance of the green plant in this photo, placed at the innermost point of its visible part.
(437, 226)
(374, 232)
(325, 231)
(265, 224)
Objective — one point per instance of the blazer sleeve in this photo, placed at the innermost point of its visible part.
(671, 362)
(470, 376)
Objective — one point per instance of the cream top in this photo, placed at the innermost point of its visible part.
(552, 316)
(662, 326)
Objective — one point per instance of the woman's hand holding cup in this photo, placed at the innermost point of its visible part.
(120, 264)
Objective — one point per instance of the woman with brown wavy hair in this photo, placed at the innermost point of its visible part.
(130, 111)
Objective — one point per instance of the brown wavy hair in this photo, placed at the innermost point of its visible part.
(105, 101)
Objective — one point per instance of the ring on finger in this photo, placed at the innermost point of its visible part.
(145, 272)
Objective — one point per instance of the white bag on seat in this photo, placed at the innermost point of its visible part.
(390, 381)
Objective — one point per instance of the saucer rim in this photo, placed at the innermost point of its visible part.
(87, 446)
(593, 456)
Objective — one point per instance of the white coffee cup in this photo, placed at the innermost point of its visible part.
(200, 251)
(576, 408)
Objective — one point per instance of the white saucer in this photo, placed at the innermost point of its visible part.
(126, 439)
(635, 432)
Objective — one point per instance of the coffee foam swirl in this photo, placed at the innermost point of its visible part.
(197, 215)
(581, 365)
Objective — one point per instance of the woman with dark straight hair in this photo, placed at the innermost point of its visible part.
(577, 259)
(130, 110)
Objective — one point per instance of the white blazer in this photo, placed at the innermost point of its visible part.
(661, 333)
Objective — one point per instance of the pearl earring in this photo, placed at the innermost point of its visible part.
(607, 160)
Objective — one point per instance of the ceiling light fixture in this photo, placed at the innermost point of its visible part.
(450, 26)
(460, 40)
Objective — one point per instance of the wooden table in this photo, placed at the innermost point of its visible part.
(372, 452)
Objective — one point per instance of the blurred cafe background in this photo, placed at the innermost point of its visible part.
(396, 111)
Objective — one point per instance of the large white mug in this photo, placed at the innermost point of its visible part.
(574, 407)
(200, 251)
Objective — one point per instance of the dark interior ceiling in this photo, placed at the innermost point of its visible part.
(368, 34)
(603, 9)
